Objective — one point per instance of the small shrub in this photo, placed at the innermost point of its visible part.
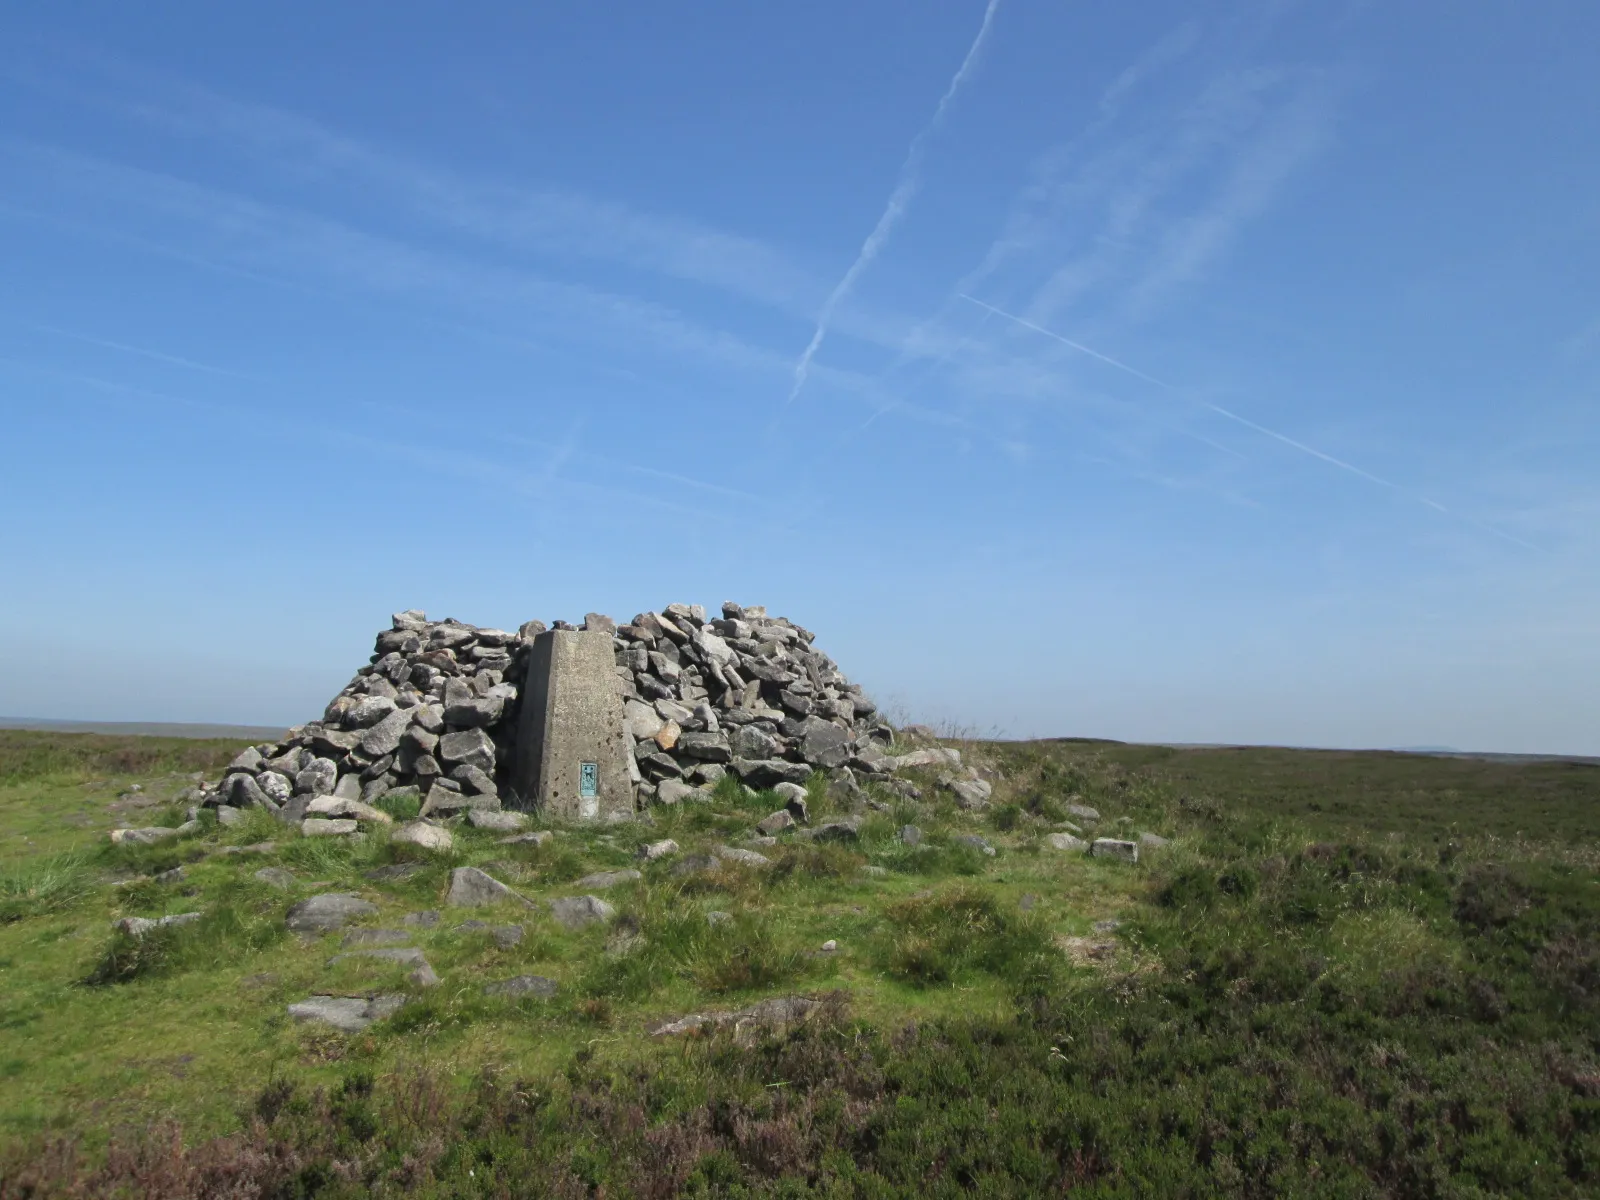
(936, 939)
(402, 806)
(742, 956)
(1005, 817)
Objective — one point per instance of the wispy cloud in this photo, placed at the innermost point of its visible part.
(1264, 430)
(154, 355)
(905, 188)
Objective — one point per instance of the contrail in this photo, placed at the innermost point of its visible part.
(1249, 424)
(905, 187)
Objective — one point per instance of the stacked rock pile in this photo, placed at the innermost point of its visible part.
(433, 717)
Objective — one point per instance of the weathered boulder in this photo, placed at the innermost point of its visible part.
(329, 910)
(424, 834)
(577, 912)
(472, 888)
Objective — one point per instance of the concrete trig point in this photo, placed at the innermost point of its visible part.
(571, 760)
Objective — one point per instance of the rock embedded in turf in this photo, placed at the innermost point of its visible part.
(1152, 841)
(137, 927)
(1115, 848)
(794, 800)
(472, 888)
(498, 822)
(652, 851)
(344, 806)
(602, 880)
(1065, 841)
(769, 1016)
(537, 838)
(776, 822)
(971, 793)
(578, 912)
(910, 835)
(672, 791)
(350, 1014)
(523, 985)
(976, 842)
(275, 877)
(1083, 812)
(425, 919)
(228, 816)
(715, 918)
(425, 835)
(375, 937)
(845, 829)
(141, 837)
(328, 911)
(321, 827)
(745, 858)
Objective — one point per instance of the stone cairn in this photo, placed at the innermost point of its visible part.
(433, 717)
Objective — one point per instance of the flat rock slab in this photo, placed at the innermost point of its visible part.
(976, 842)
(537, 838)
(656, 850)
(137, 927)
(745, 858)
(1083, 812)
(1115, 848)
(275, 877)
(375, 937)
(321, 827)
(1152, 841)
(846, 829)
(349, 1014)
(1065, 841)
(331, 910)
(523, 985)
(769, 1016)
(422, 975)
(602, 880)
(505, 936)
(471, 888)
(396, 871)
(577, 912)
(499, 822)
(421, 833)
(426, 919)
(141, 837)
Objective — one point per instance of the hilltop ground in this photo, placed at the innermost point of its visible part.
(1347, 974)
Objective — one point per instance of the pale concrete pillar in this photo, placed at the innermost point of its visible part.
(571, 759)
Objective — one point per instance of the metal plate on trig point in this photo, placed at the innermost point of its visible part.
(589, 780)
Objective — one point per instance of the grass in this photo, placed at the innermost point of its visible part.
(1347, 975)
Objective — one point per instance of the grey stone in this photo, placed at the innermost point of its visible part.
(499, 822)
(1083, 812)
(421, 833)
(708, 774)
(1115, 848)
(671, 710)
(242, 791)
(350, 1014)
(340, 806)
(1065, 841)
(845, 829)
(576, 912)
(766, 773)
(691, 864)
(429, 718)
(572, 714)
(323, 827)
(715, 918)
(1152, 841)
(275, 877)
(366, 712)
(375, 937)
(137, 927)
(652, 851)
(348, 786)
(825, 745)
(523, 985)
(142, 837)
(330, 910)
(472, 779)
(471, 888)
(538, 838)
(971, 793)
(1107, 926)
(745, 858)
(776, 823)
(228, 816)
(710, 747)
(976, 842)
(476, 713)
(318, 778)
(602, 880)
(426, 919)
(910, 835)
(276, 786)
(397, 871)
(384, 737)
(640, 720)
(747, 1024)
(672, 791)
(794, 799)
(470, 746)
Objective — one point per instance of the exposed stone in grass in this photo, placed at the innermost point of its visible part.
(472, 888)
(1115, 848)
(523, 985)
(498, 822)
(350, 1014)
(976, 842)
(537, 838)
(137, 927)
(275, 877)
(375, 937)
(424, 834)
(1065, 841)
(747, 1024)
(420, 975)
(577, 912)
(319, 827)
(330, 910)
(652, 851)
(602, 880)
(1152, 841)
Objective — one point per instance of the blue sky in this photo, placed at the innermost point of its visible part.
(1219, 372)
